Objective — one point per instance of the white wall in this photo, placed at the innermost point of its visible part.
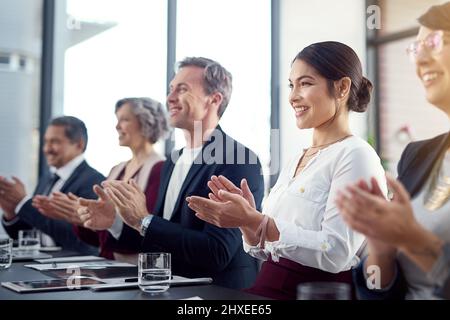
(302, 23)
(20, 35)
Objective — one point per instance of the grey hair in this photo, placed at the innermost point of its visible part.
(215, 78)
(151, 115)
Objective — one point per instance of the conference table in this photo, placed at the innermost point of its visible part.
(18, 272)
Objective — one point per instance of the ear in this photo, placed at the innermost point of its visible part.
(80, 144)
(342, 87)
(215, 100)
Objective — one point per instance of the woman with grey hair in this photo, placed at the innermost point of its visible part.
(141, 122)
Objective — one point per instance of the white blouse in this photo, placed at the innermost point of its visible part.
(312, 232)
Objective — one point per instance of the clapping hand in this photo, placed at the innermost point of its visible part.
(392, 221)
(59, 206)
(97, 214)
(222, 183)
(129, 200)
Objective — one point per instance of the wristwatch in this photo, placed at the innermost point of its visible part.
(145, 223)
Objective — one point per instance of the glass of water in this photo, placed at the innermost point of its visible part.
(323, 291)
(5, 253)
(154, 272)
(29, 240)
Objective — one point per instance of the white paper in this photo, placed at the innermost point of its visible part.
(85, 265)
(70, 259)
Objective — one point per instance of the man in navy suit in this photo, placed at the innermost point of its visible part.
(199, 95)
(64, 144)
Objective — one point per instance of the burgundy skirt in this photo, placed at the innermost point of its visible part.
(279, 280)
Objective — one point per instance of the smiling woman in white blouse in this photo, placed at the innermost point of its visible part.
(300, 234)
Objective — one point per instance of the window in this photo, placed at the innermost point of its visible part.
(239, 38)
(111, 50)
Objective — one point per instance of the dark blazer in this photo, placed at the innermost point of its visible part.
(200, 249)
(414, 168)
(79, 183)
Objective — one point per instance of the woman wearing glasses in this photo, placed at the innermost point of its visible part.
(406, 236)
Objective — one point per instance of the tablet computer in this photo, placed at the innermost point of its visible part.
(132, 283)
(52, 284)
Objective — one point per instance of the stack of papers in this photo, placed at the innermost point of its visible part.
(70, 259)
(24, 255)
(82, 265)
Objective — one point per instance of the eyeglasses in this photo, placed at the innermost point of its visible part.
(433, 43)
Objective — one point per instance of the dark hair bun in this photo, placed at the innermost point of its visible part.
(363, 96)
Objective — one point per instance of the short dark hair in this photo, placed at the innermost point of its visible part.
(334, 61)
(74, 129)
(437, 17)
(215, 78)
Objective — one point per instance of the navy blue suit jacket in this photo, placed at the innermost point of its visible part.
(414, 168)
(79, 183)
(200, 249)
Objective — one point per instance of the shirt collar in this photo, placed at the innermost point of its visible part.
(66, 171)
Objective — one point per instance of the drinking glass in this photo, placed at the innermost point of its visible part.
(5, 253)
(154, 272)
(29, 240)
(323, 291)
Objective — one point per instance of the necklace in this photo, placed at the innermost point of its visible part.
(330, 143)
(306, 157)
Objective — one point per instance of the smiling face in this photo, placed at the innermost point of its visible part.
(58, 149)
(187, 101)
(310, 96)
(128, 127)
(433, 69)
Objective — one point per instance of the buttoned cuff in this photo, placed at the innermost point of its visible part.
(21, 204)
(11, 222)
(255, 251)
(117, 227)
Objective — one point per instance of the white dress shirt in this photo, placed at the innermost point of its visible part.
(179, 173)
(312, 231)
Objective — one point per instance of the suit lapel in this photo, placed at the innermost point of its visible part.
(40, 188)
(200, 161)
(424, 162)
(166, 173)
(75, 175)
